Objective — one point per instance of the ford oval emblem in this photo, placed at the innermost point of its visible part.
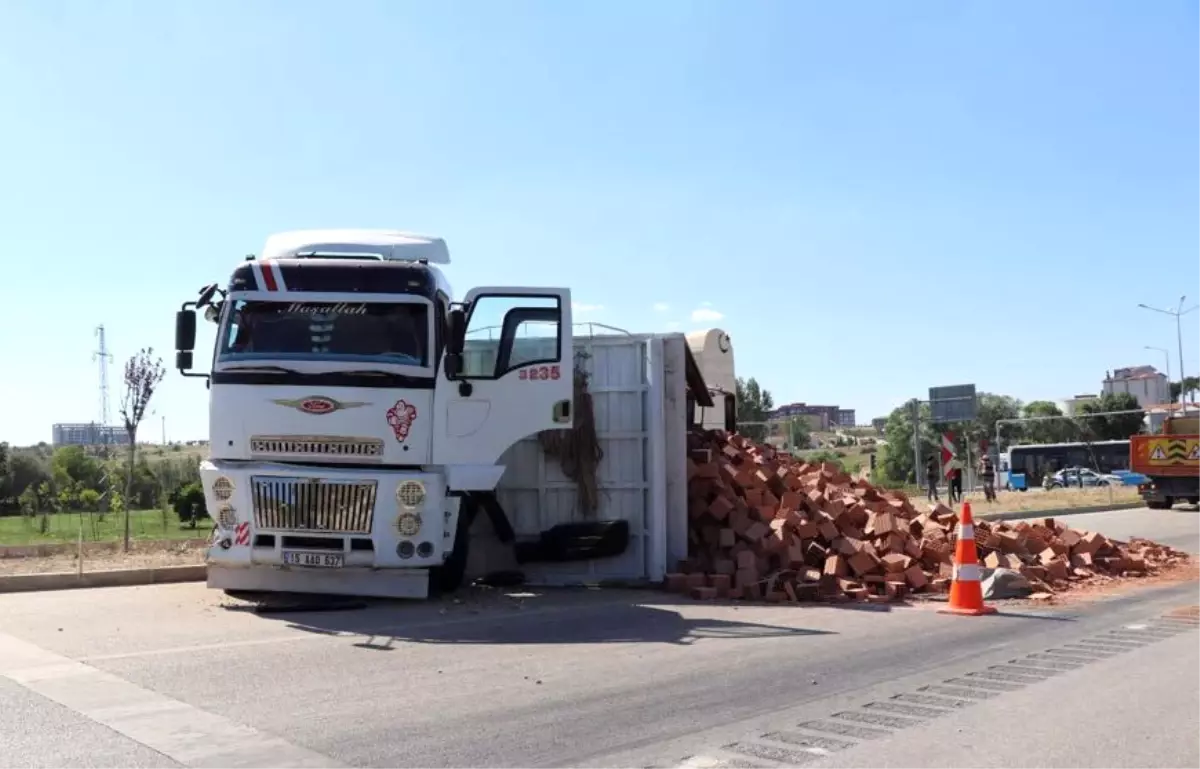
(318, 404)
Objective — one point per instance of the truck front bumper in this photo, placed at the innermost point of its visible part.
(269, 511)
(373, 583)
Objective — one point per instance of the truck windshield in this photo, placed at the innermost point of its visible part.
(362, 332)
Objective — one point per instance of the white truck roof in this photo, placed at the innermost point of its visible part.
(389, 245)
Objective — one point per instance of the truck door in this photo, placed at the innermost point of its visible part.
(517, 379)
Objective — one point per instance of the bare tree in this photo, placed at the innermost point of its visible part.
(143, 372)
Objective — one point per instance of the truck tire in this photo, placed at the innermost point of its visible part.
(449, 576)
(1159, 505)
(1193, 500)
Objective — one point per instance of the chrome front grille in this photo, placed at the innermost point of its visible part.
(317, 445)
(313, 504)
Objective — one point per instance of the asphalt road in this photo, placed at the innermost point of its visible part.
(176, 675)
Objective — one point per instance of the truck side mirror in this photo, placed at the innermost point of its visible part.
(457, 332)
(183, 360)
(185, 330)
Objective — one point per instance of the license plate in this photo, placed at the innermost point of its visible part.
(316, 560)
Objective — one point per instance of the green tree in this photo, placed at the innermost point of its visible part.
(67, 498)
(991, 409)
(29, 501)
(71, 464)
(189, 504)
(25, 471)
(753, 405)
(800, 433)
(6, 494)
(1189, 385)
(116, 502)
(895, 463)
(146, 487)
(89, 500)
(1111, 428)
(1049, 430)
(47, 497)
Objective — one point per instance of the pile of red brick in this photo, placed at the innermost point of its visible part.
(765, 525)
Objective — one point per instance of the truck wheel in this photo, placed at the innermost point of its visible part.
(1194, 500)
(1158, 504)
(449, 576)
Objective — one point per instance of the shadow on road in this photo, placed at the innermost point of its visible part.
(1006, 613)
(528, 617)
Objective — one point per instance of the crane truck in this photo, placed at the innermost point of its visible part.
(1170, 461)
(350, 416)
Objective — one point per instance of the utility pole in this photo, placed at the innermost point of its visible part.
(164, 427)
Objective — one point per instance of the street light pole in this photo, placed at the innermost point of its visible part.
(1166, 357)
(1178, 314)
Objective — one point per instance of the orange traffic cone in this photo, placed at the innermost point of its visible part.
(966, 593)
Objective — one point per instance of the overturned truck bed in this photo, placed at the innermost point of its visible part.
(623, 492)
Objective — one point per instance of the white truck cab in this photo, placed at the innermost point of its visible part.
(353, 405)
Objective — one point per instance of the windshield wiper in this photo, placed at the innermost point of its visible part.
(278, 369)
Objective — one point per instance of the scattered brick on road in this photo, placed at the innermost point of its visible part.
(765, 525)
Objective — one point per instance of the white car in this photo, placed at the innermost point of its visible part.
(1071, 477)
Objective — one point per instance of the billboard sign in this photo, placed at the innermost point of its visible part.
(954, 403)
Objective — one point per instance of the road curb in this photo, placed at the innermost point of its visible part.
(25, 583)
(1060, 513)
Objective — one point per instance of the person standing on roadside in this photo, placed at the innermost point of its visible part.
(955, 482)
(931, 478)
(988, 473)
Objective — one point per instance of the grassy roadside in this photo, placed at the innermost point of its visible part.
(56, 528)
(1059, 499)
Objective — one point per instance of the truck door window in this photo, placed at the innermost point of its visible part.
(511, 332)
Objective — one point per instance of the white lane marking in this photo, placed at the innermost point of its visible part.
(181, 732)
(1136, 627)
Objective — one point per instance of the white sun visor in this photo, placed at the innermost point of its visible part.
(389, 245)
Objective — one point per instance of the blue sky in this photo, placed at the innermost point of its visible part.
(872, 198)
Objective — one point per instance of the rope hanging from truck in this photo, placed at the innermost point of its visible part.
(578, 449)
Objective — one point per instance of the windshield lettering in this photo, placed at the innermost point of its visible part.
(340, 308)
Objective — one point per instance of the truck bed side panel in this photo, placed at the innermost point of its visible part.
(1165, 455)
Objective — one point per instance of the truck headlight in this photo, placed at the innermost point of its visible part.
(410, 494)
(409, 524)
(222, 489)
(226, 517)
